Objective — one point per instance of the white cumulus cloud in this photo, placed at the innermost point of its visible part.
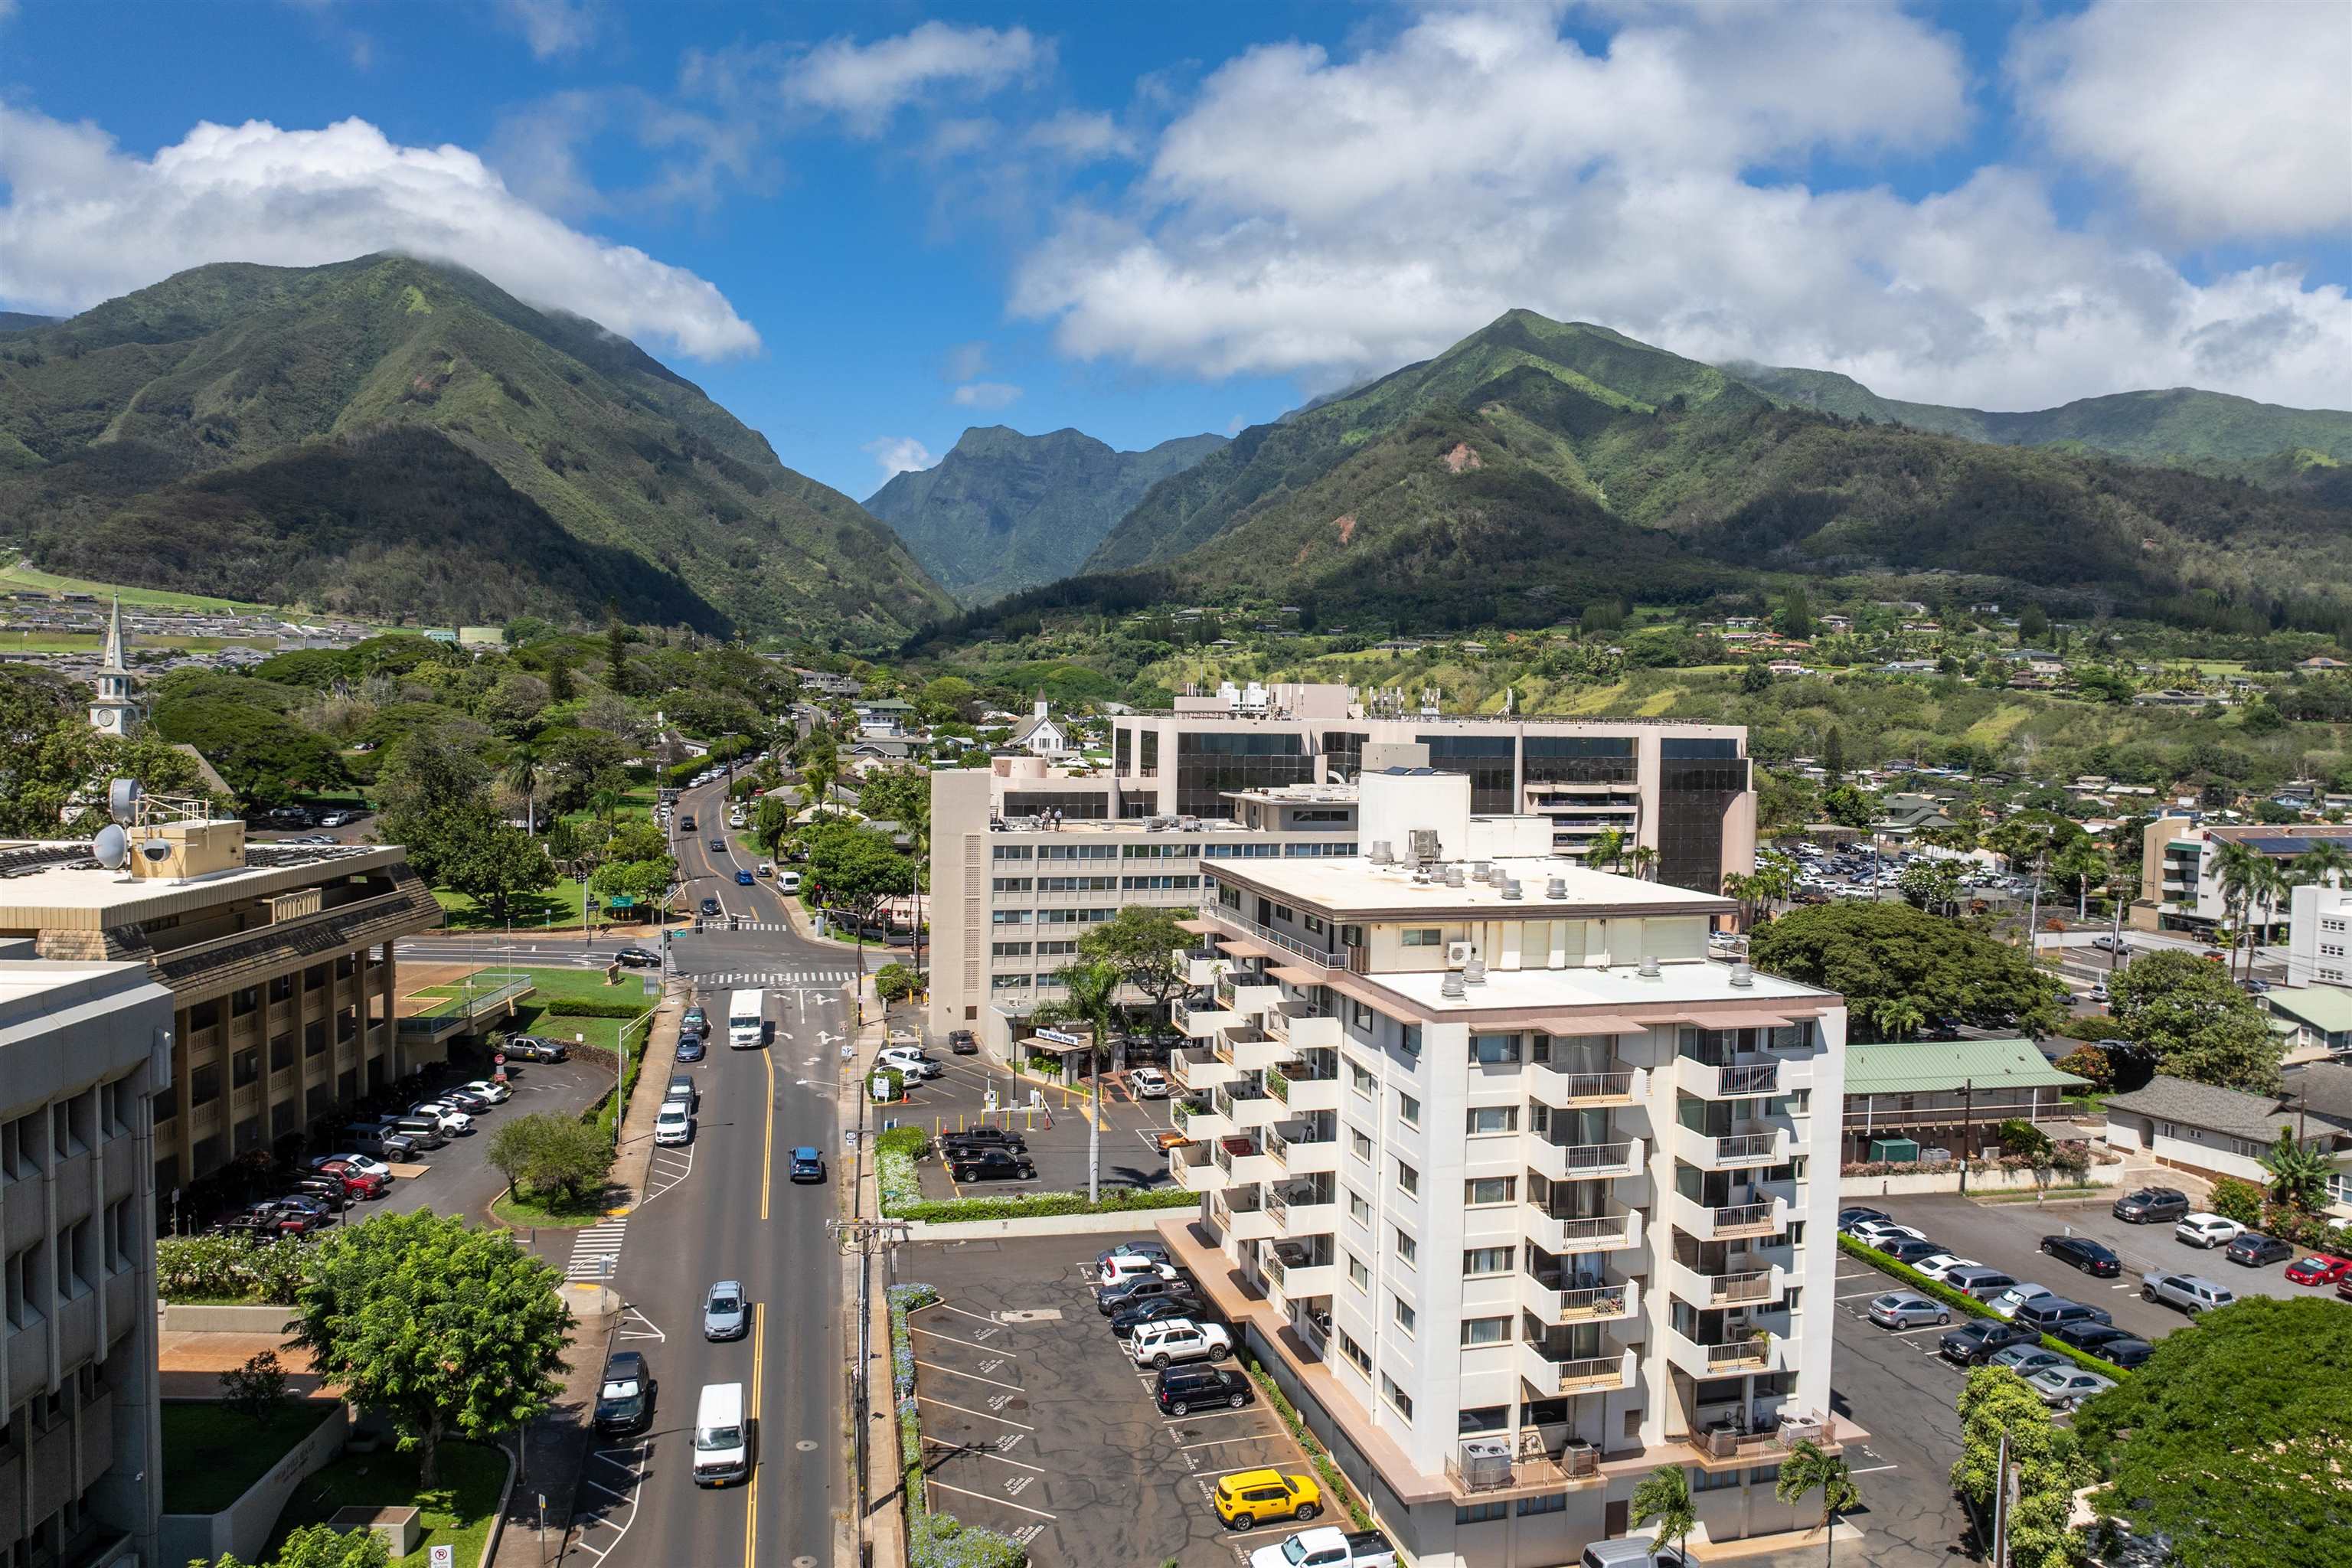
(896, 455)
(2224, 119)
(865, 83)
(986, 395)
(1481, 159)
(1080, 136)
(553, 27)
(85, 222)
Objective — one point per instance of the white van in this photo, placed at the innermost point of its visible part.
(722, 1438)
(788, 881)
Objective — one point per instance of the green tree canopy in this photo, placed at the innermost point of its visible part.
(446, 1330)
(1141, 942)
(857, 869)
(2232, 1443)
(493, 862)
(1848, 806)
(2185, 1016)
(1891, 955)
(1994, 1401)
(320, 1546)
(265, 757)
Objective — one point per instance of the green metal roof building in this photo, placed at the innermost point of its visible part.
(1947, 1094)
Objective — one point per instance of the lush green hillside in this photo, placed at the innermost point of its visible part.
(391, 437)
(1536, 465)
(1004, 511)
(19, 322)
(2178, 426)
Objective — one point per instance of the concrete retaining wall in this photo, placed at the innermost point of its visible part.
(245, 1526)
(192, 1319)
(1039, 1224)
(1978, 1182)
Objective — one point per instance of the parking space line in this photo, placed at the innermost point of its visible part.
(936, 1366)
(1220, 1442)
(1858, 1295)
(983, 1454)
(983, 1415)
(1201, 1416)
(945, 1306)
(983, 1497)
(984, 1350)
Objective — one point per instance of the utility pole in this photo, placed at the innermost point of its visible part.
(864, 1239)
(1968, 1128)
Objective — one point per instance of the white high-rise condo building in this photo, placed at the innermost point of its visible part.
(1516, 1192)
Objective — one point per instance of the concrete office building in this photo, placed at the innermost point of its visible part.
(1515, 1192)
(1682, 790)
(85, 1047)
(2180, 880)
(1013, 886)
(278, 958)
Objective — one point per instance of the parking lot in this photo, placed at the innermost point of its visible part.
(1035, 1423)
(1055, 1126)
(456, 1178)
(2007, 1237)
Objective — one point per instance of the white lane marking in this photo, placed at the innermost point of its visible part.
(983, 1497)
(983, 1415)
(935, 1366)
(983, 1454)
(984, 1350)
(1872, 1470)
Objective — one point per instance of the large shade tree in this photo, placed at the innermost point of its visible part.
(1895, 964)
(448, 1330)
(2185, 1016)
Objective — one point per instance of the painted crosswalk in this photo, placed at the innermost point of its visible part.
(779, 977)
(596, 1251)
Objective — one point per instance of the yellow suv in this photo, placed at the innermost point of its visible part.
(1251, 1497)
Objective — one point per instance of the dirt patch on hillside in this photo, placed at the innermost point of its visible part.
(1346, 524)
(1462, 458)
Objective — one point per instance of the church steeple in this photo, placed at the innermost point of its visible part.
(115, 711)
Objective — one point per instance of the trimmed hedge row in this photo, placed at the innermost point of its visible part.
(1937, 1290)
(1335, 1484)
(1037, 1205)
(590, 1007)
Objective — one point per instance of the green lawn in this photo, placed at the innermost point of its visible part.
(554, 1212)
(237, 1453)
(556, 906)
(582, 984)
(453, 997)
(456, 1509)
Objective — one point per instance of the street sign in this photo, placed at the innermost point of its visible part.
(444, 1556)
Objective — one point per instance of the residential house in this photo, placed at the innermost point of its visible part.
(2214, 1132)
(1041, 734)
(1951, 1094)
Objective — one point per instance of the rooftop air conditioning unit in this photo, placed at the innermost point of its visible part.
(1424, 843)
(1458, 953)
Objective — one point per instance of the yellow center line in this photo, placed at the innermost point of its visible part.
(752, 1426)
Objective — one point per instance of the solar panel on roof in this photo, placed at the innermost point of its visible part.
(2281, 846)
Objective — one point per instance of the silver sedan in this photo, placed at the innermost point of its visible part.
(1907, 1309)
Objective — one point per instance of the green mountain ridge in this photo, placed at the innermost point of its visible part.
(1536, 465)
(1003, 512)
(387, 438)
(2177, 426)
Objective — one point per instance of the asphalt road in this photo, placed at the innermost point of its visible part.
(724, 1208)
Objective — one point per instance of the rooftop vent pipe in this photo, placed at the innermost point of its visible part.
(1451, 988)
(1557, 887)
(1453, 876)
(1474, 971)
(1649, 969)
(1510, 887)
(1743, 974)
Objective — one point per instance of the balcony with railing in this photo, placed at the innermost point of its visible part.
(1557, 1295)
(1306, 1145)
(1306, 1081)
(1245, 1103)
(1248, 1047)
(1746, 1145)
(1575, 1091)
(1564, 1230)
(1302, 1025)
(1243, 1159)
(1198, 1067)
(1292, 947)
(1304, 1208)
(1239, 1210)
(1586, 1161)
(1729, 1080)
(1555, 1371)
(1774, 1437)
(1294, 1269)
(1759, 1216)
(1730, 1353)
(1197, 1015)
(1755, 1284)
(1480, 1465)
(1189, 1168)
(1200, 965)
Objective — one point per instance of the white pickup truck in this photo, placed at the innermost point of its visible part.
(1327, 1546)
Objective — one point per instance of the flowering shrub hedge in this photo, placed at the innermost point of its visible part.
(894, 1168)
(228, 1269)
(1039, 1206)
(2074, 1155)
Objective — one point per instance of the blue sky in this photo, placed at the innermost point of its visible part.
(864, 227)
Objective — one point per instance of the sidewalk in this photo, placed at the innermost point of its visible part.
(880, 1521)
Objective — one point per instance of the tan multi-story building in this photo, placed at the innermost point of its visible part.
(1516, 1192)
(278, 958)
(85, 1048)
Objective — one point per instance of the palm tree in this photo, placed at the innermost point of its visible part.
(1744, 889)
(1087, 988)
(2298, 1175)
(2240, 871)
(2079, 861)
(1666, 1496)
(522, 773)
(1894, 1017)
(1607, 848)
(1645, 861)
(1807, 1469)
(2325, 864)
(2270, 886)
(605, 802)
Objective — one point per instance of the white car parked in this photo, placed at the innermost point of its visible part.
(1121, 1266)
(365, 1164)
(1879, 1231)
(1149, 1083)
(1937, 1266)
(1178, 1339)
(497, 1093)
(2202, 1229)
(453, 1120)
(673, 1125)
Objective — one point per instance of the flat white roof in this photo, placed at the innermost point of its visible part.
(39, 879)
(1352, 884)
(1621, 986)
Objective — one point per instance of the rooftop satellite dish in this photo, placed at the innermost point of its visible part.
(123, 800)
(112, 848)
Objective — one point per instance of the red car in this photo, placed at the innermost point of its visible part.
(358, 1183)
(2319, 1269)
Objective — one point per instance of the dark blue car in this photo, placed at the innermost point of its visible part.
(743, 878)
(808, 1165)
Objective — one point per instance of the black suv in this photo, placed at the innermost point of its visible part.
(1175, 1304)
(1973, 1344)
(979, 1140)
(2151, 1205)
(961, 1043)
(1181, 1389)
(624, 1400)
(2084, 1254)
(2104, 1340)
(990, 1165)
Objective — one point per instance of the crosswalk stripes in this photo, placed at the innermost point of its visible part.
(596, 1251)
(780, 977)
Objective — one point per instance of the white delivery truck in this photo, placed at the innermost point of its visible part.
(745, 1027)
